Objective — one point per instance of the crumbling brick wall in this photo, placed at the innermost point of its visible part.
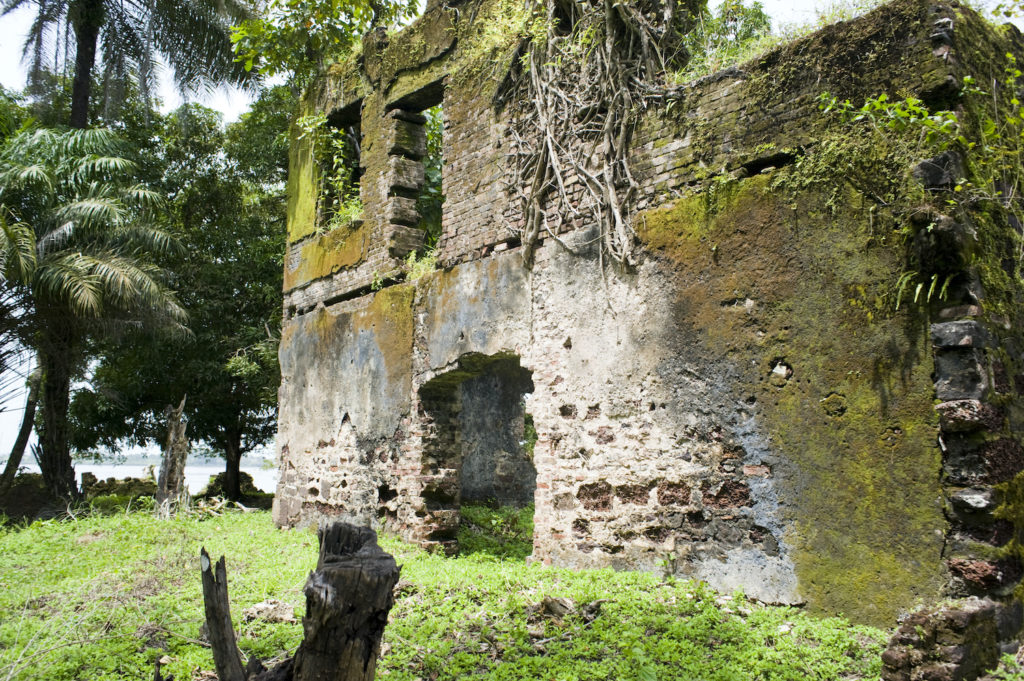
(740, 406)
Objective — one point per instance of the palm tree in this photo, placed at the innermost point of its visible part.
(193, 36)
(75, 247)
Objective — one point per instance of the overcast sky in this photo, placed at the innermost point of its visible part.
(232, 102)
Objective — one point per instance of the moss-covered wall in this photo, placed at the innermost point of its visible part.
(773, 399)
(790, 299)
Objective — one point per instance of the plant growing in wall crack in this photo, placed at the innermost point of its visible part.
(336, 153)
(979, 148)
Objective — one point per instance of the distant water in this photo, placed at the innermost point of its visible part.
(197, 471)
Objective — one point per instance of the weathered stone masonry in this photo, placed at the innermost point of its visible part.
(744, 405)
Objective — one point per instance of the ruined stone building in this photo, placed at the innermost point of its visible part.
(808, 385)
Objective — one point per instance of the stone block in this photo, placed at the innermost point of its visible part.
(960, 374)
(959, 311)
(405, 240)
(973, 501)
(940, 172)
(959, 334)
(963, 461)
(402, 211)
(967, 415)
(1010, 620)
(404, 175)
(946, 244)
(406, 139)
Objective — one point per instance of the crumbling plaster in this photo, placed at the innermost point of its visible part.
(738, 408)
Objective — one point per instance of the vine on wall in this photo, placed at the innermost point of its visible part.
(578, 92)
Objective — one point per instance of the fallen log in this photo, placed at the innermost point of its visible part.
(348, 598)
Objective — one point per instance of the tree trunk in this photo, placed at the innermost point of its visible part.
(55, 359)
(87, 17)
(348, 599)
(233, 456)
(27, 421)
(226, 656)
(347, 603)
(171, 484)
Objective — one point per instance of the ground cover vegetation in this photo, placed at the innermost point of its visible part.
(104, 597)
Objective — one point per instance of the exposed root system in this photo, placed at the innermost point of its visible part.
(579, 93)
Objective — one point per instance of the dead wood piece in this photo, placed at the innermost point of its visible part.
(226, 655)
(348, 599)
(171, 484)
(282, 672)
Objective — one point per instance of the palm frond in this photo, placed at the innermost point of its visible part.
(68, 280)
(202, 56)
(142, 197)
(149, 239)
(17, 250)
(81, 246)
(93, 212)
(91, 168)
(17, 176)
(74, 144)
(55, 239)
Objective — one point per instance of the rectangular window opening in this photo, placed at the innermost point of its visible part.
(337, 148)
(417, 162)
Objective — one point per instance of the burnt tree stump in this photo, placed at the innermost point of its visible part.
(226, 656)
(348, 598)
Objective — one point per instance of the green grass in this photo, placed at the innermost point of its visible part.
(503, 532)
(103, 597)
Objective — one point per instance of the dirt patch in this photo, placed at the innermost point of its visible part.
(90, 537)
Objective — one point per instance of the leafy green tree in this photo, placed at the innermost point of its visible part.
(191, 35)
(720, 36)
(12, 116)
(298, 37)
(75, 247)
(231, 225)
(257, 144)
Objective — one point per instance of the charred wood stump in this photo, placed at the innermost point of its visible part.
(226, 656)
(348, 598)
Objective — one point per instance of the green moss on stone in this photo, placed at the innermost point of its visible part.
(303, 181)
(864, 504)
(325, 254)
(389, 317)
